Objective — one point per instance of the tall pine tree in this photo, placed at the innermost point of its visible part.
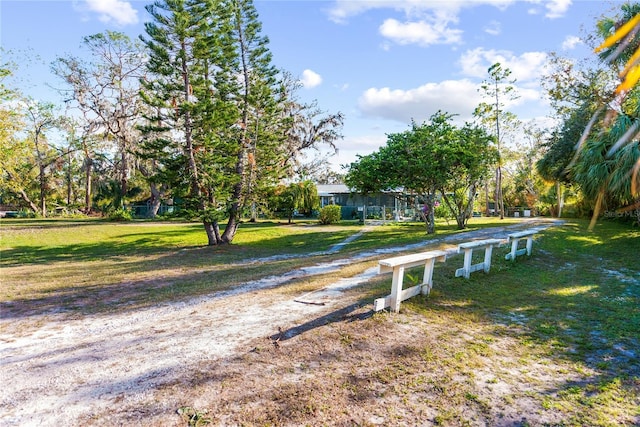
(218, 130)
(172, 36)
(259, 99)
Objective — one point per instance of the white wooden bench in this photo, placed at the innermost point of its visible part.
(515, 238)
(397, 265)
(468, 248)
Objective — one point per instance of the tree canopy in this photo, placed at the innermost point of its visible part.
(426, 160)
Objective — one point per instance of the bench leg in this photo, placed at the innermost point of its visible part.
(466, 266)
(427, 278)
(487, 258)
(529, 245)
(396, 288)
(514, 248)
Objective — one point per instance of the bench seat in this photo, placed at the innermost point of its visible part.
(468, 248)
(515, 238)
(397, 265)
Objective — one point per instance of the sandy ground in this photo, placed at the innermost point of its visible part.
(61, 370)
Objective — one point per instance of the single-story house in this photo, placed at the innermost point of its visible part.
(394, 204)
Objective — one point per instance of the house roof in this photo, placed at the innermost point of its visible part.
(331, 189)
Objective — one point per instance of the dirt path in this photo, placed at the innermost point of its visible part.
(69, 369)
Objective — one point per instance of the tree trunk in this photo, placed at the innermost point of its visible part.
(88, 170)
(124, 182)
(213, 233)
(560, 197)
(234, 210)
(43, 191)
(26, 198)
(87, 184)
(486, 199)
(254, 212)
(496, 193)
(156, 199)
(472, 198)
(189, 151)
(459, 210)
(431, 226)
(69, 178)
(230, 230)
(462, 217)
(237, 196)
(428, 213)
(499, 199)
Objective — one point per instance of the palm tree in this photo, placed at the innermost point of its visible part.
(608, 163)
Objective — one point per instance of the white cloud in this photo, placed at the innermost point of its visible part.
(344, 9)
(430, 22)
(310, 79)
(427, 22)
(494, 28)
(350, 147)
(571, 42)
(526, 67)
(554, 8)
(119, 11)
(451, 96)
(421, 32)
(557, 8)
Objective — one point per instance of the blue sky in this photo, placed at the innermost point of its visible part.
(381, 62)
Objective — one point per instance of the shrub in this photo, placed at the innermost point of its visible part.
(443, 211)
(330, 214)
(28, 214)
(120, 215)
